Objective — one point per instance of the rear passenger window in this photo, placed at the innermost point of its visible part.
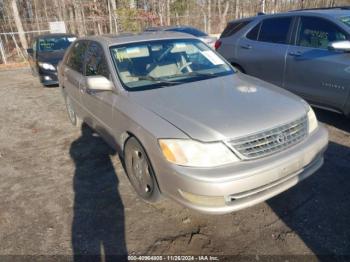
(233, 28)
(318, 33)
(76, 56)
(275, 30)
(254, 33)
(95, 61)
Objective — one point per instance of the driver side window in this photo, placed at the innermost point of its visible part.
(318, 33)
(95, 61)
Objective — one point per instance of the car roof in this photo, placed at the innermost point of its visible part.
(124, 38)
(330, 12)
(333, 12)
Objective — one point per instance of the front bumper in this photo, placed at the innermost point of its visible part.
(48, 77)
(242, 184)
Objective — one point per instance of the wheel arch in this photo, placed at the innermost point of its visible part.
(239, 67)
(125, 137)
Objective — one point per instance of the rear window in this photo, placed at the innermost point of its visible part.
(233, 28)
(274, 30)
(254, 33)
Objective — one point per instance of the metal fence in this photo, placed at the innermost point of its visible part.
(12, 51)
(10, 47)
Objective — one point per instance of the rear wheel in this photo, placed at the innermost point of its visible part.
(140, 171)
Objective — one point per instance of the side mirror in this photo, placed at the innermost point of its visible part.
(340, 46)
(30, 51)
(99, 83)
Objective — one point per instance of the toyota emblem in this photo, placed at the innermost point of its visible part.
(281, 138)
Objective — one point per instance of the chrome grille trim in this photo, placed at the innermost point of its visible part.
(270, 141)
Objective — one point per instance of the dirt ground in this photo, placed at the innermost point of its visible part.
(64, 192)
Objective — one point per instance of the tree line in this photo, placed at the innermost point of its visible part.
(26, 18)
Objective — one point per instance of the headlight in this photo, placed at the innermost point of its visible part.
(312, 120)
(47, 66)
(187, 152)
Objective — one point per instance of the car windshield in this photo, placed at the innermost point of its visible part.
(49, 44)
(346, 20)
(160, 63)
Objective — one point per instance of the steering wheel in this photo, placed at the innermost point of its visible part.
(186, 65)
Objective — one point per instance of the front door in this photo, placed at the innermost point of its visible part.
(73, 73)
(315, 72)
(98, 104)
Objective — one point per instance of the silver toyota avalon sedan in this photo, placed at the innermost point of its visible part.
(186, 124)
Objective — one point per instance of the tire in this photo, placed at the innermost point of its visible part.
(140, 172)
(74, 119)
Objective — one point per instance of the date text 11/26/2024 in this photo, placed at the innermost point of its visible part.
(173, 258)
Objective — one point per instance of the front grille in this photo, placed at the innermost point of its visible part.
(271, 141)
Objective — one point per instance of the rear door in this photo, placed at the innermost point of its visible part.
(98, 104)
(313, 71)
(262, 52)
(73, 73)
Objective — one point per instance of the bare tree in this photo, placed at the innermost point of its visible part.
(168, 11)
(100, 16)
(237, 9)
(209, 16)
(262, 3)
(223, 13)
(19, 25)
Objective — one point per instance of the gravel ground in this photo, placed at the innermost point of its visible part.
(64, 192)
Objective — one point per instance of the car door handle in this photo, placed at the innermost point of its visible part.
(298, 53)
(82, 88)
(246, 46)
(85, 90)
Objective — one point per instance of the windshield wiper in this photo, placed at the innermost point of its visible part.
(193, 73)
(156, 79)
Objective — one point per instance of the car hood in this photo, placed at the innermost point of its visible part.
(222, 108)
(51, 57)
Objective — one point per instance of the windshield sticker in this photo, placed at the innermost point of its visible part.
(180, 45)
(46, 45)
(133, 50)
(156, 47)
(212, 57)
(120, 55)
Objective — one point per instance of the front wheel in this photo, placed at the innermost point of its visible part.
(140, 171)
